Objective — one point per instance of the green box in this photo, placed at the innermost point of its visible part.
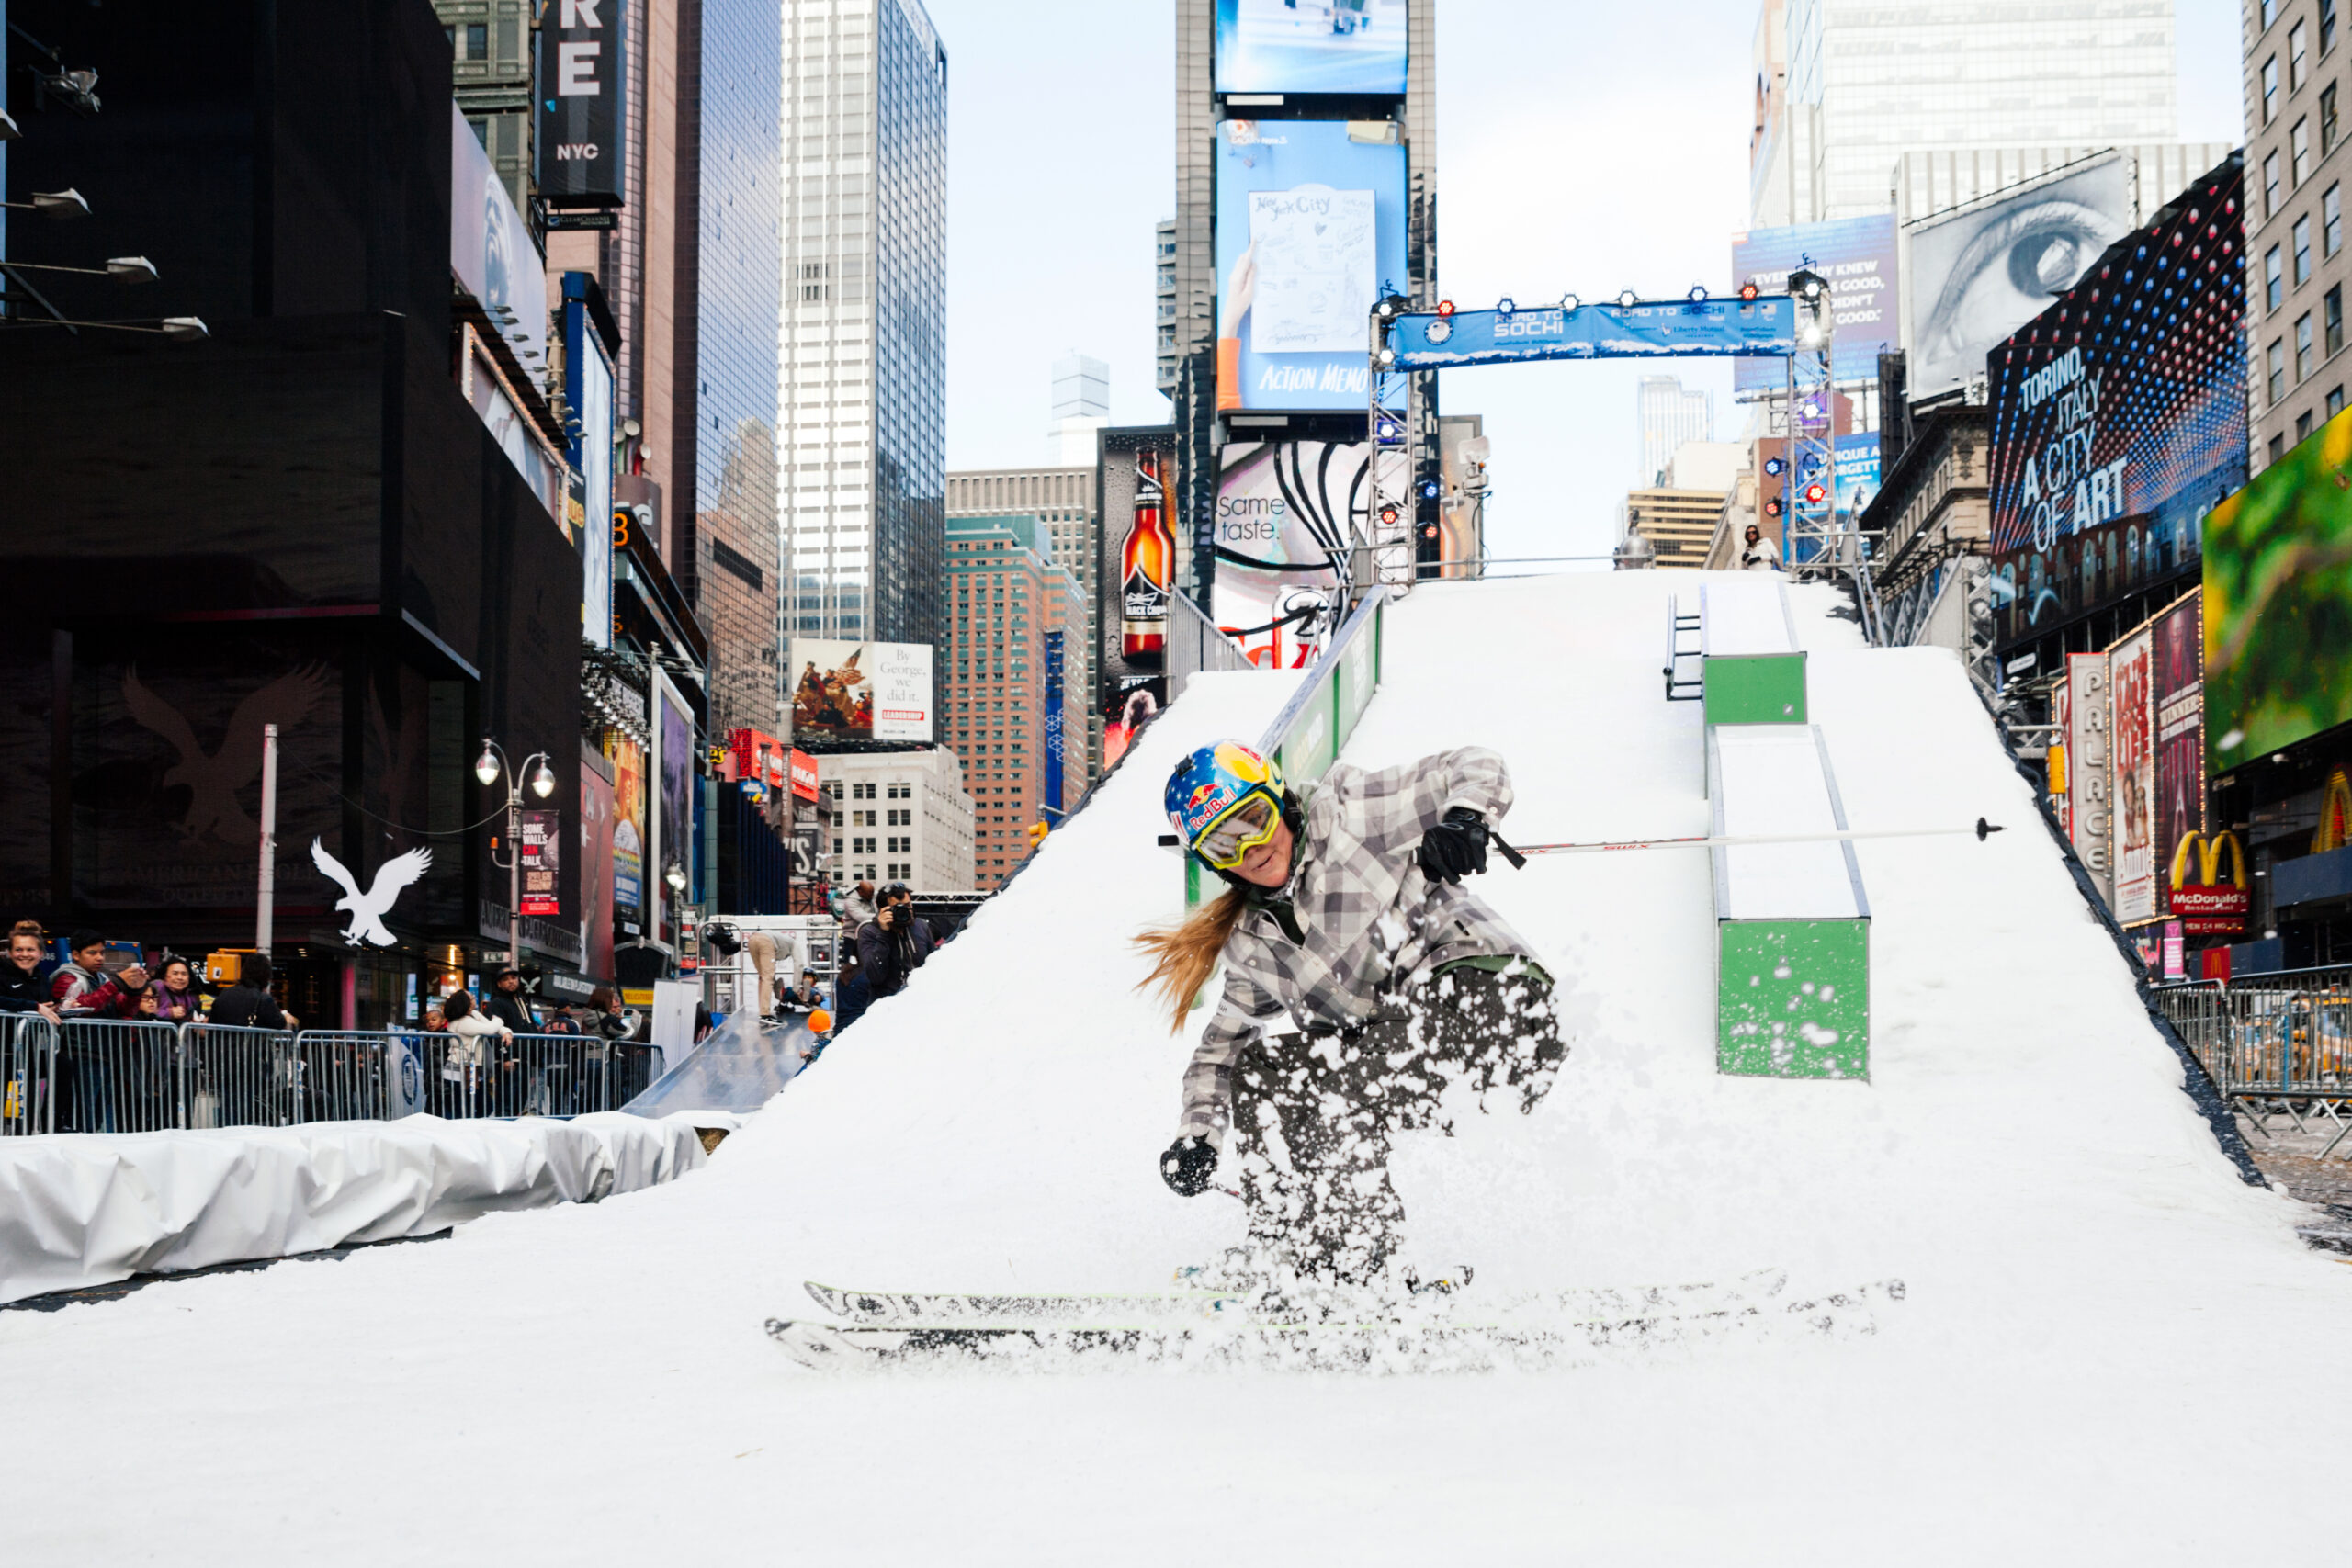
(1793, 998)
(1754, 688)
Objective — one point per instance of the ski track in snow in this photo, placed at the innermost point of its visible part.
(2096, 1303)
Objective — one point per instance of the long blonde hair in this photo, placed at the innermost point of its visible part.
(1184, 955)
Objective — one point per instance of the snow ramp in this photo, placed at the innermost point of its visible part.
(2093, 1299)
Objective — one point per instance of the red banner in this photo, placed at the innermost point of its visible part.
(542, 855)
(804, 775)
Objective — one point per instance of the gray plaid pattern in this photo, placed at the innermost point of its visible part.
(1374, 925)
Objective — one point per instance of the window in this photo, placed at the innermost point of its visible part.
(2331, 220)
(2331, 318)
(2302, 237)
(2296, 67)
(2277, 446)
(2303, 426)
(2335, 402)
(2277, 372)
(2326, 25)
(2270, 186)
(2302, 347)
(2329, 127)
(2299, 143)
(2269, 89)
(2274, 286)
(2270, 12)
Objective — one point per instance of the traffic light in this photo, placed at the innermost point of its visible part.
(1038, 831)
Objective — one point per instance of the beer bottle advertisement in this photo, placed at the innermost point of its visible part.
(1147, 567)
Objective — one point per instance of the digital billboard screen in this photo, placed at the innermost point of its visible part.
(860, 690)
(1856, 255)
(1979, 273)
(1310, 231)
(1355, 46)
(2278, 578)
(2179, 697)
(1282, 525)
(2118, 417)
(2133, 774)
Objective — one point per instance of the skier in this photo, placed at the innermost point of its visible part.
(1344, 909)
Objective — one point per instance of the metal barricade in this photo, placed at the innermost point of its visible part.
(116, 1075)
(27, 1075)
(341, 1074)
(241, 1078)
(530, 1075)
(2274, 1045)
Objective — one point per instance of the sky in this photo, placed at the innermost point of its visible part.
(1574, 152)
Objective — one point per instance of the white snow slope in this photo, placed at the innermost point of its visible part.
(2096, 1303)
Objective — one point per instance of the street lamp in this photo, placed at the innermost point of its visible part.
(487, 767)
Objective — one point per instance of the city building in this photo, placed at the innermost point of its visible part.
(490, 51)
(1673, 527)
(1843, 88)
(897, 816)
(1081, 406)
(1670, 415)
(1934, 506)
(2296, 261)
(1062, 502)
(865, 375)
(1163, 296)
(1015, 611)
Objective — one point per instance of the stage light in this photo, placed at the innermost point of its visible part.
(1446, 307)
(1776, 467)
(1570, 302)
(1698, 295)
(1627, 300)
(1747, 291)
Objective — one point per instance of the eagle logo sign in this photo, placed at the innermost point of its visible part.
(368, 908)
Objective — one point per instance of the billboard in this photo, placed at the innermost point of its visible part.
(629, 824)
(1311, 46)
(592, 457)
(578, 130)
(490, 251)
(2089, 712)
(2119, 418)
(1284, 511)
(850, 692)
(2179, 698)
(1980, 272)
(1856, 255)
(2278, 591)
(1132, 493)
(597, 821)
(1310, 231)
(674, 779)
(541, 847)
(2133, 774)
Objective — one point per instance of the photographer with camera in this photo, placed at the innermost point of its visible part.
(893, 945)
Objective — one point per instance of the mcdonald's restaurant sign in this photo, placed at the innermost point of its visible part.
(2216, 902)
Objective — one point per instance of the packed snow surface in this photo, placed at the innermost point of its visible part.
(2100, 1314)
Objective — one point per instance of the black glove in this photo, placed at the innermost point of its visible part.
(1455, 848)
(1187, 1164)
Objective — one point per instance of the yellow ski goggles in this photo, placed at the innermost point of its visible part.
(1249, 822)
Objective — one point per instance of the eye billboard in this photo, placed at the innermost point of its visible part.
(2118, 417)
(1310, 231)
(1355, 46)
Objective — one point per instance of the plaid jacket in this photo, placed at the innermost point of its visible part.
(1373, 924)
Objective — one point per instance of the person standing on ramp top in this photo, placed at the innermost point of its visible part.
(1345, 918)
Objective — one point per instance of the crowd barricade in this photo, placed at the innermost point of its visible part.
(530, 1075)
(234, 1077)
(118, 1075)
(2274, 1045)
(27, 1075)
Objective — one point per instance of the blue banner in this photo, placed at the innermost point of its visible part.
(1671, 328)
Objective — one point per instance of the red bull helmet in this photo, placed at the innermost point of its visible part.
(1224, 800)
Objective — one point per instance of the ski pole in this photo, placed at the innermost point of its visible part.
(1983, 829)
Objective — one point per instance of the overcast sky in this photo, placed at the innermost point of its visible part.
(1578, 147)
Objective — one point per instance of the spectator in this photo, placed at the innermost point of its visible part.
(248, 1004)
(436, 1021)
(560, 1021)
(893, 945)
(805, 997)
(1756, 553)
(82, 987)
(174, 991)
(859, 907)
(614, 1021)
(464, 1069)
(852, 993)
(505, 1002)
(23, 987)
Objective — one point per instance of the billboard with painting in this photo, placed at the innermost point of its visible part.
(855, 692)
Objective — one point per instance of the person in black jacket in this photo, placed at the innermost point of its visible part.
(505, 1003)
(23, 987)
(248, 1004)
(893, 945)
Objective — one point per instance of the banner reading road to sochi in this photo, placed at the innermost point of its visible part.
(1669, 329)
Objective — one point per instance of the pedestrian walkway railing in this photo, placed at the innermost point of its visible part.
(27, 1056)
(125, 1075)
(2274, 1044)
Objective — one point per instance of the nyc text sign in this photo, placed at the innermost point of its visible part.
(580, 72)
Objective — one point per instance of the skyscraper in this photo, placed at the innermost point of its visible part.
(1670, 414)
(1081, 406)
(1844, 87)
(864, 367)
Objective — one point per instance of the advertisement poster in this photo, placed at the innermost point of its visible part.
(592, 459)
(2119, 420)
(1980, 271)
(1131, 486)
(2179, 659)
(580, 131)
(2277, 596)
(630, 801)
(676, 826)
(596, 822)
(1311, 225)
(2088, 715)
(1856, 256)
(1356, 47)
(2062, 795)
(860, 690)
(2132, 676)
(1283, 512)
(541, 846)
(490, 249)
